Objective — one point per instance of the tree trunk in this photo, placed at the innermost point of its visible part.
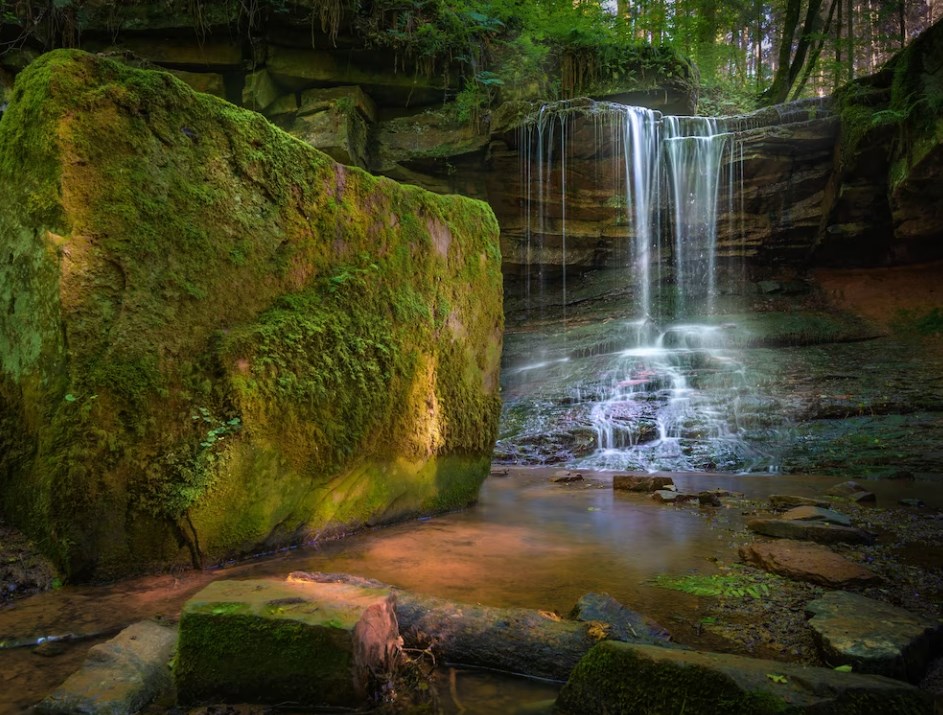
(850, 12)
(516, 640)
(816, 50)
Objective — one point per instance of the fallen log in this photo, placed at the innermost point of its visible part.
(515, 640)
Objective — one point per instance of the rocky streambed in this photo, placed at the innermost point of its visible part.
(691, 559)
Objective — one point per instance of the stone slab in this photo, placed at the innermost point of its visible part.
(874, 637)
(816, 513)
(629, 678)
(820, 532)
(120, 676)
(805, 561)
(312, 644)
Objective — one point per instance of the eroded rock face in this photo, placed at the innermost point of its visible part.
(215, 339)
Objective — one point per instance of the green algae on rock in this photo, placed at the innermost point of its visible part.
(215, 340)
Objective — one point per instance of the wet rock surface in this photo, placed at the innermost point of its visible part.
(874, 637)
(639, 483)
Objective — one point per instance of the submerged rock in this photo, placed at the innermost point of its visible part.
(807, 562)
(312, 644)
(627, 678)
(120, 676)
(217, 341)
(874, 637)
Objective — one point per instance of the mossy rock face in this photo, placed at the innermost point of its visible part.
(650, 680)
(214, 339)
(886, 201)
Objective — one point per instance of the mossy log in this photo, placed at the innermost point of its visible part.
(523, 641)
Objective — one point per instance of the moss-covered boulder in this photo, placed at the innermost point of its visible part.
(215, 340)
(312, 644)
(616, 678)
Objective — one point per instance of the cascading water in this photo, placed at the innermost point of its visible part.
(664, 391)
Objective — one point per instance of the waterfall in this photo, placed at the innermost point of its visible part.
(694, 147)
(667, 167)
(667, 394)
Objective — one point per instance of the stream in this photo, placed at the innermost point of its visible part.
(528, 542)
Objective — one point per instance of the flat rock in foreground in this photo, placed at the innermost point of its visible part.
(310, 644)
(119, 676)
(806, 561)
(627, 678)
(874, 637)
(818, 531)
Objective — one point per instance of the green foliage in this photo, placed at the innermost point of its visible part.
(732, 584)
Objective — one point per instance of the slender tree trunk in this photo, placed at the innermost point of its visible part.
(816, 50)
(851, 39)
(838, 45)
(902, 21)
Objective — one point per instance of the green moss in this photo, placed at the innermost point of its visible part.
(194, 257)
(211, 662)
(614, 679)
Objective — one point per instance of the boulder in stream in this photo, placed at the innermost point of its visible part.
(120, 676)
(313, 644)
(786, 501)
(853, 491)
